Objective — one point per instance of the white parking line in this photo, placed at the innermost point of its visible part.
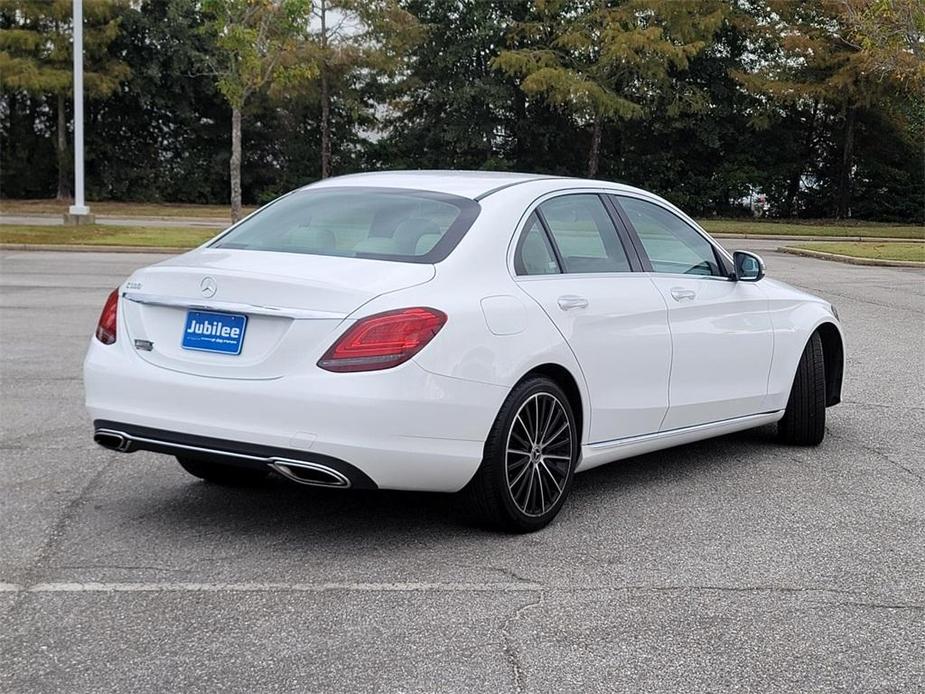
(266, 587)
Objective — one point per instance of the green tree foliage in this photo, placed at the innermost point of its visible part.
(356, 45)
(601, 61)
(256, 44)
(450, 109)
(825, 56)
(164, 134)
(36, 60)
(816, 104)
(889, 36)
(723, 157)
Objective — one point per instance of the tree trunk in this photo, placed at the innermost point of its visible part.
(235, 164)
(518, 130)
(325, 126)
(793, 185)
(325, 99)
(64, 179)
(788, 209)
(844, 183)
(619, 159)
(593, 155)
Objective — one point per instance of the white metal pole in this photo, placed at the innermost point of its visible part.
(79, 207)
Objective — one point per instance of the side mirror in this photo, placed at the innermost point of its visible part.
(748, 266)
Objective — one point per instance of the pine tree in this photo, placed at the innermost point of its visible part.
(848, 55)
(357, 42)
(889, 36)
(36, 58)
(601, 60)
(450, 108)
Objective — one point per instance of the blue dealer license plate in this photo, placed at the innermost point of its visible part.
(214, 332)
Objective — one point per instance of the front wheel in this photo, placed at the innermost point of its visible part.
(529, 461)
(218, 473)
(803, 423)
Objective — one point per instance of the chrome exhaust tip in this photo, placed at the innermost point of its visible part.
(113, 440)
(311, 474)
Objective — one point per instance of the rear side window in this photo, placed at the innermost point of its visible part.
(584, 234)
(673, 246)
(381, 223)
(534, 255)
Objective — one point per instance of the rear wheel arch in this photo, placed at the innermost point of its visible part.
(568, 383)
(833, 354)
(542, 470)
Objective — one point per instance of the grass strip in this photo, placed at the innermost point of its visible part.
(106, 235)
(820, 228)
(871, 250)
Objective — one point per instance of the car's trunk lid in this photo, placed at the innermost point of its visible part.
(293, 305)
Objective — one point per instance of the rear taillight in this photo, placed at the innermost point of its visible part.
(106, 328)
(383, 340)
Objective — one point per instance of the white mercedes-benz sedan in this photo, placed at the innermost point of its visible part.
(426, 330)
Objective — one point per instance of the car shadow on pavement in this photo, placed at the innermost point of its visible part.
(285, 512)
(703, 458)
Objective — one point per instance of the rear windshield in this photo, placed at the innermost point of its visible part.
(387, 224)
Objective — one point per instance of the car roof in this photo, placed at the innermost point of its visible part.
(469, 184)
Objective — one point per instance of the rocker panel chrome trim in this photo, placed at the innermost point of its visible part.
(603, 452)
(758, 418)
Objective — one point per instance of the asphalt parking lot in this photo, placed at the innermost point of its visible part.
(732, 565)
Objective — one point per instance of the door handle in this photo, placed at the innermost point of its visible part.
(570, 301)
(682, 294)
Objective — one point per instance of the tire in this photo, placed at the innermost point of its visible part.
(502, 493)
(219, 473)
(803, 423)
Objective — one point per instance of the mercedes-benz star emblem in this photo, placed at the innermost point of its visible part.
(208, 287)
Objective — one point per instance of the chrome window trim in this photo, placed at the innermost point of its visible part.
(587, 275)
(520, 229)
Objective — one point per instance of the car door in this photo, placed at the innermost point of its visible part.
(721, 332)
(572, 260)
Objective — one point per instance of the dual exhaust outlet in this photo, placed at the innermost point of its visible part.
(113, 440)
(299, 471)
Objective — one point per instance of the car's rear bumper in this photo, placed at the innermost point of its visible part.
(306, 467)
(402, 428)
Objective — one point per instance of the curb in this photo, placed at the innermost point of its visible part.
(834, 239)
(851, 260)
(92, 249)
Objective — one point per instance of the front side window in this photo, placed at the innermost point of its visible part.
(584, 234)
(673, 246)
(386, 224)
